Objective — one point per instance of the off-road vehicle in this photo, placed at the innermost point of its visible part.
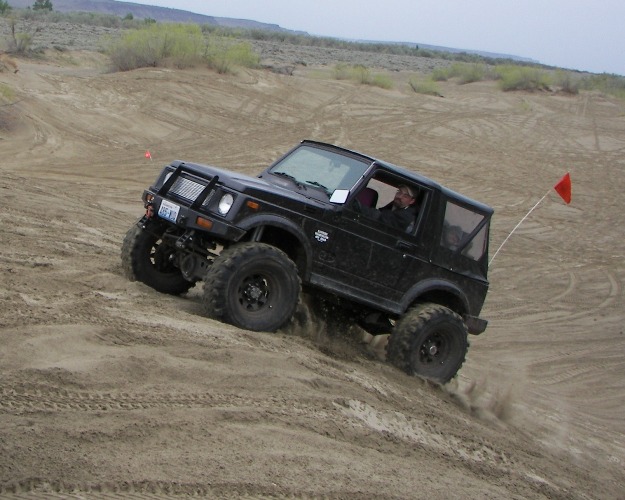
(318, 219)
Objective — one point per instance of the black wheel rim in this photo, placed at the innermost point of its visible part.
(254, 293)
(434, 351)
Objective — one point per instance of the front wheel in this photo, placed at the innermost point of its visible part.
(254, 286)
(429, 341)
(146, 257)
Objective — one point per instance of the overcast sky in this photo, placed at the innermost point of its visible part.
(586, 35)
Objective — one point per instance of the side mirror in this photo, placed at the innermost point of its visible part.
(339, 196)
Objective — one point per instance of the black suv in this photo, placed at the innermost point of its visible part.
(331, 221)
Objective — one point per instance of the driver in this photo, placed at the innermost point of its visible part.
(399, 213)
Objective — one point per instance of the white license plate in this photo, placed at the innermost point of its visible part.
(168, 210)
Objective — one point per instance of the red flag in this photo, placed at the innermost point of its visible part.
(563, 188)
(148, 155)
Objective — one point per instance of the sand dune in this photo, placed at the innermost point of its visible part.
(110, 388)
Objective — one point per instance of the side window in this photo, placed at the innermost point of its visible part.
(459, 225)
(392, 203)
(385, 192)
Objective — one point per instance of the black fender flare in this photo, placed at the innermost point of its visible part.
(260, 220)
(435, 285)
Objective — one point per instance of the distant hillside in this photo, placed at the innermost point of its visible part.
(492, 55)
(162, 14)
(165, 14)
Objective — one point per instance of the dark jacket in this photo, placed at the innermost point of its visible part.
(399, 218)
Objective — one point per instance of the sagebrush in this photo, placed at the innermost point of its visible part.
(180, 46)
(362, 75)
(427, 87)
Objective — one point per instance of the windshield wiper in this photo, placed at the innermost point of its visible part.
(291, 178)
(316, 184)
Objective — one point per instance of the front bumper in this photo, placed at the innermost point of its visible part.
(188, 218)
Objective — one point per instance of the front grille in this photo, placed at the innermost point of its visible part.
(186, 188)
(189, 190)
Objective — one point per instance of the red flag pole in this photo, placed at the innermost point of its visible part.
(515, 227)
(562, 187)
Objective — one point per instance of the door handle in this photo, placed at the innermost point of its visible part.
(403, 245)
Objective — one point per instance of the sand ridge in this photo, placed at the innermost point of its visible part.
(109, 388)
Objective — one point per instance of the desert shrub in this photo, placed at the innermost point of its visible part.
(17, 42)
(6, 94)
(467, 72)
(361, 74)
(224, 54)
(381, 80)
(92, 19)
(373, 47)
(455, 70)
(21, 43)
(427, 87)
(440, 74)
(4, 7)
(178, 45)
(342, 71)
(43, 15)
(512, 77)
(566, 82)
(606, 83)
(87, 18)
(42, 5)
(620, 93)
(7, 97)
(463, 72)
(472, 73)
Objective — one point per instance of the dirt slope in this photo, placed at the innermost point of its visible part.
(109, 388)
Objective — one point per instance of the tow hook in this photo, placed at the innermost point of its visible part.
(185, 240)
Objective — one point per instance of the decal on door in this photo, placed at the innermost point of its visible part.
(321, 236)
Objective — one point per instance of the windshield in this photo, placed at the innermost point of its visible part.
(311, 167)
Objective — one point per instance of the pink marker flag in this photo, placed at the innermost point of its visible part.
(148, 155)
(563, 188)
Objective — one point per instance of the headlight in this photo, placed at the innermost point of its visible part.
(225, 204)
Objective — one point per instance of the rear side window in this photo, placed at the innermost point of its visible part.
(464, 231)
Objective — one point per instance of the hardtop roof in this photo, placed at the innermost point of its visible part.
(449, 193)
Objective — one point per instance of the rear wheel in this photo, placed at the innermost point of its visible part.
(430, 341)
(254, 286)
(146, 257)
